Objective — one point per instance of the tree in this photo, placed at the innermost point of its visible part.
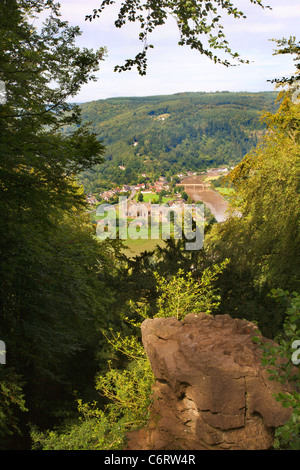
(280, 360)
(261, 234)
(129, 390)
(184, 196)
(194, 18)
(140, 197)
(266, 194)
(49, 290)
(36, 110)
(182, 294)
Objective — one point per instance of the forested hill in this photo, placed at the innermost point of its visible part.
(164, 135)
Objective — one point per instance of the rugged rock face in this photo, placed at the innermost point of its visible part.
(211, 391)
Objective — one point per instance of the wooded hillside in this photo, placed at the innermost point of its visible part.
(165, 135)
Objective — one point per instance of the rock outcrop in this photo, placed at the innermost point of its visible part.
(211, 391)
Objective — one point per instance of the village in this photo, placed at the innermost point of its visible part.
(152, 210)
(143, 188)
(161, 190)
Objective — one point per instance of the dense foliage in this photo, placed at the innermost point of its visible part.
(48, 292)
(281, 359)
(261, 236)
(71, 306)
(128, 389)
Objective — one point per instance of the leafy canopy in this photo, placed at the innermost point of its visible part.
(280, 362)
(128, 391)
(48, 257)
(261, 233)
(41, 70)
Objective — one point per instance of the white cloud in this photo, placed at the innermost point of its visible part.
(257, 27)
(172, 68)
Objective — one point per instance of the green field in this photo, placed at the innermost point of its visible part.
(225, 191)
(136, 247)
(153, 198)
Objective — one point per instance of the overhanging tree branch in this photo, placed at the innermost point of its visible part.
(197, 20)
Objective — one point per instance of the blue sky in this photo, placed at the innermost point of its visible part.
(173, 68)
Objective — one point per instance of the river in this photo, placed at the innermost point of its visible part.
(212, 199)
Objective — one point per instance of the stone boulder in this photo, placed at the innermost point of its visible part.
(211, 391)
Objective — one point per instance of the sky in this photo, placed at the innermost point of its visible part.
(173, 68)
